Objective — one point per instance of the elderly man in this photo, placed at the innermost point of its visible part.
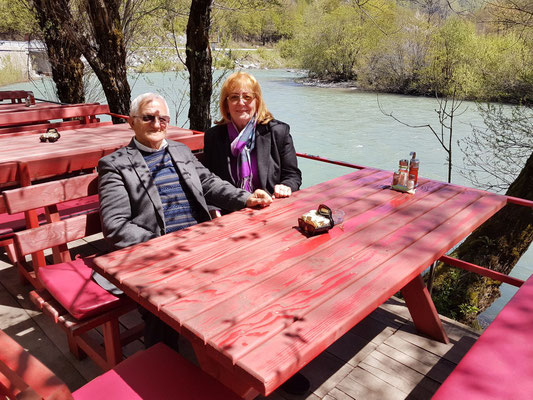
(155, 186)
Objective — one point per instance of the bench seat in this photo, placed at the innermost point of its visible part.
(156, 373)
(11, 223)
(500, 364)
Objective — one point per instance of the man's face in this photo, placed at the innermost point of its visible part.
(150, 124)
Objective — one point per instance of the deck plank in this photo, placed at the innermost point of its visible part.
(398, 374)
(361, 384)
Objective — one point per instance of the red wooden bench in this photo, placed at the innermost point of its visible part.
(73, 115)
(156, 373)
(17, 96)
(11, 222)
(500, 364)
(68, 293)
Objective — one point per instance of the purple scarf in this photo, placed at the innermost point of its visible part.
(241, 148)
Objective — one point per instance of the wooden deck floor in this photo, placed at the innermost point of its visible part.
(381, 358)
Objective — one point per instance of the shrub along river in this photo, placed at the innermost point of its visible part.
(342, 124)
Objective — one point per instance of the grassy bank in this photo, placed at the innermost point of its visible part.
(10, 73)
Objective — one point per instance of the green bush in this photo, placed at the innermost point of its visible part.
(505, 68)
(331, 47)
(482, 66)
(383, 46)
(342, 38)
(395, 64)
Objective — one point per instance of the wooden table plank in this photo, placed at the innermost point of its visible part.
(29, 147)
(234, 223)
(235, 241)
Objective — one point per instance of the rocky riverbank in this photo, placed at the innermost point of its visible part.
(326, 83)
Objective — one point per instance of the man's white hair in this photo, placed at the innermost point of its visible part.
(142, 99)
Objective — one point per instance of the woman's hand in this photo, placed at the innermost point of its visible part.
(282, 191)
(259, 198)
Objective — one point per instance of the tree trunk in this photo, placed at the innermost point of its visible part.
(198, 63)
(103, 46)
(108, 58)
(64, 56)
(498, 245)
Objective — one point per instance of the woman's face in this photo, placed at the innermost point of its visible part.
(242, 105)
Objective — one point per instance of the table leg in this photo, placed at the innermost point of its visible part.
(215, 369)
(422, 309)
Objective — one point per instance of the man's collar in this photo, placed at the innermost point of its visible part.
(147, 149)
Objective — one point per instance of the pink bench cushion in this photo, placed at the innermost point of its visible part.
(71, 285)
(500, 364)
(156, 373)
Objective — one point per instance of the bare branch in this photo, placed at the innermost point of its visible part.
(409, 125)
(495, 154)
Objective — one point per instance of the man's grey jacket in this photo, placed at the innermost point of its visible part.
(130, 206)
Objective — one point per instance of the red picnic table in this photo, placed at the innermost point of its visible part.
(259, 300)
(77, 149)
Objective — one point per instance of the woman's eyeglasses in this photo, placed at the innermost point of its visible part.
(163, 119)
(246, 97)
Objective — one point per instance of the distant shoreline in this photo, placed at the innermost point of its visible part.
(326, 83)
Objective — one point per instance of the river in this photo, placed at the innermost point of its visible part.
(342, 124)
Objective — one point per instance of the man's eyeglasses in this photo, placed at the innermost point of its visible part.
(246, 97)
(163, 119)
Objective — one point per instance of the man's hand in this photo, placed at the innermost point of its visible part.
(259, 198)
(282, 191)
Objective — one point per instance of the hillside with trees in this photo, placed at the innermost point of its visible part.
(418, 47)
(481, 49)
